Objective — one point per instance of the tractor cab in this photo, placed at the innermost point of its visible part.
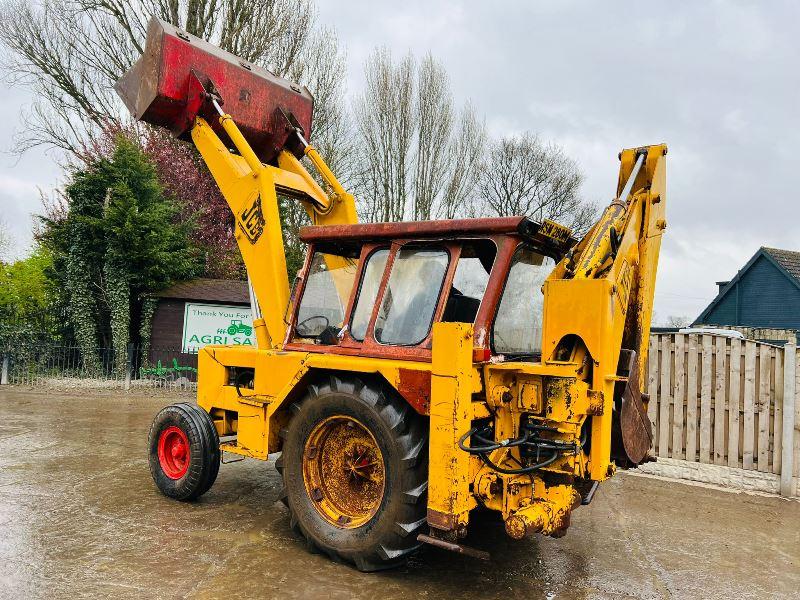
(377, 289)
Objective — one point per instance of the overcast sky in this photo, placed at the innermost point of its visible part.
(719, 82)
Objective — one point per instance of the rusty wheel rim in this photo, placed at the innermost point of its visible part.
(343, 472)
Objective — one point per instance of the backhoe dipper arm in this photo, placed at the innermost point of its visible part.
(251, 190)
(599, 302)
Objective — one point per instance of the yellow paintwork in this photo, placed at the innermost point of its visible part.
(449, 499)
(276, 376)
(588, 295)
(250, 188)
(595, 309)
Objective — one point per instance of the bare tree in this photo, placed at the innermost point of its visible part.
(466, 151)
(434, 108)
(386, 125)
(412, 145)
(677, 321)
(70, 53)
(421, 159)
(332, 132)
(523, 176)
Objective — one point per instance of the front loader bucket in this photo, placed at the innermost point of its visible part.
(157, 90)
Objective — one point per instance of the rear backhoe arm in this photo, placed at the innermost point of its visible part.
(559, 426)
(251, 189)
(599, 304)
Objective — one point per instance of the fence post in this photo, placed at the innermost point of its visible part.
(129, 366)
(787, 447)
(4, 374)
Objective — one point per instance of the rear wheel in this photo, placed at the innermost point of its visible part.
(184, 451)
(354, 467)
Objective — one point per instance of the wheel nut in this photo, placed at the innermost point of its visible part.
(316, 494)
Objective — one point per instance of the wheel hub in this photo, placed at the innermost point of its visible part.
(343, 471)
(173, 452)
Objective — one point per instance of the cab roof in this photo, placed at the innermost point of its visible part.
(447, 229)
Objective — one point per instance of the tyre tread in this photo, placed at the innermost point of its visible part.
(205, 453)
(399, 542)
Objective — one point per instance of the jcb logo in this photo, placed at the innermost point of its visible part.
(251, 220)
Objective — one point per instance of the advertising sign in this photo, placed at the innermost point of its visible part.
(205, 324)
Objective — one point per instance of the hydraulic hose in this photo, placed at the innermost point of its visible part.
(490, 446)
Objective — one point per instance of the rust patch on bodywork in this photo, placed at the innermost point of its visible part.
(442, 521)
(523, 227)
(415, 387)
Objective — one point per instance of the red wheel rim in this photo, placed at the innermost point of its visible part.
(173, 452)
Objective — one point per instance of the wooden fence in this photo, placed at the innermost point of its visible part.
(726, 402)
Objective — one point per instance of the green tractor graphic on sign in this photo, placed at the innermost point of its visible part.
(237, 326)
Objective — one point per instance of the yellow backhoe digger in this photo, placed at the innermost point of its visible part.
(416, 371)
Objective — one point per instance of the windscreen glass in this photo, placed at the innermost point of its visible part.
(327, 291)
(370, 282)
(518, 322)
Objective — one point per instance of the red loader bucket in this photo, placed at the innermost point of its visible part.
(157, 90)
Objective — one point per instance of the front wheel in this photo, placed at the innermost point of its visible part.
(354, 467)
(184, 451)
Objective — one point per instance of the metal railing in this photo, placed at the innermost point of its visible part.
(130, 367)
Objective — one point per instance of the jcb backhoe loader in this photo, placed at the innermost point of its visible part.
(419, 370)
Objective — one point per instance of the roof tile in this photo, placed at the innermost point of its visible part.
(210, 290)
(788, 259)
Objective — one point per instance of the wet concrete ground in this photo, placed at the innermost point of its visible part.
(80, 517)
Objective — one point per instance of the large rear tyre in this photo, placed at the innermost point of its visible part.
(355, 470)
(184, 451)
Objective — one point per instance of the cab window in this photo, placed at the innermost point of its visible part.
(327, 291)
(470, 281)
(518, 322)
(406, 310)
(370, 282)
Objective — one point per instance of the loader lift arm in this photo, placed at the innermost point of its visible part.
(251, 190)
(181, 83)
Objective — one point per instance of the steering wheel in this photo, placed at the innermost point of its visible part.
(302, 323)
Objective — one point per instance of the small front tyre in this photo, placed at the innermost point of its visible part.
(184, 451)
